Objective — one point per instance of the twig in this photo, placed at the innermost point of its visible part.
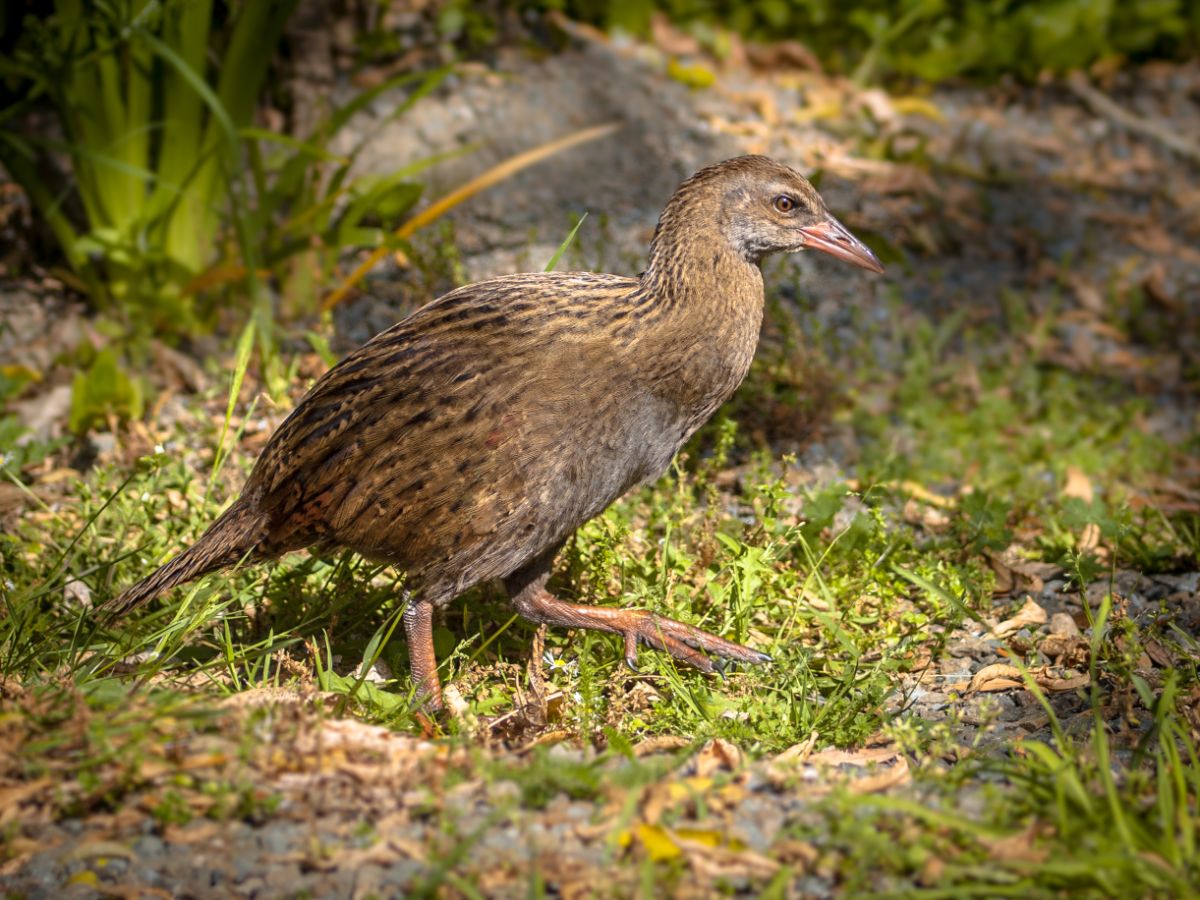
(1105, 106)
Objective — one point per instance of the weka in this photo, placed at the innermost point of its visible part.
(470, 440)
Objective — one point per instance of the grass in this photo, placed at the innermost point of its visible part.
(855, 586)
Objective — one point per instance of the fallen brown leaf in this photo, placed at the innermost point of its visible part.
(890, 777)
(1078, 485)
(715, 864)
(717, 755)
(1160, 654)
(1066, 650)
(1017, 847)
(1029, 614)
(1003, 677)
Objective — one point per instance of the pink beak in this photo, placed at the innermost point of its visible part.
(832, 237)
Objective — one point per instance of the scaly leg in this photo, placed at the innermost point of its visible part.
(532, 601)
(418, 628)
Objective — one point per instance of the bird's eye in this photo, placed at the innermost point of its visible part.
(784, 203)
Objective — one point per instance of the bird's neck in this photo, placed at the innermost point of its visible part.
(709, 309)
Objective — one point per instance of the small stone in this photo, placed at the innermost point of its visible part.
(148, 845)
(275, 839)
(105, 442)
(147, 875)
(1063, 625)
(244, 865)
(284, 878)
(111, 867)
(955, 666)
(579, 811)
(252, 887)
(503, 792)
(564, 753)
(402, 873)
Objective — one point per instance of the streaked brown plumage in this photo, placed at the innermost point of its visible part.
(470, 440)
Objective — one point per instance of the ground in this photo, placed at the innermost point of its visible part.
(959, 504)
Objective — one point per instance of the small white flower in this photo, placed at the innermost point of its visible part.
(3, 460)
(158, 448)
(557, 663)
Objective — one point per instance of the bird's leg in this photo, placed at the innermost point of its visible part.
(684, 642)
(537, 671)
(422, 663)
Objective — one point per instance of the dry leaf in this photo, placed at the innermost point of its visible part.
(663, 743)
(996, 677)
(76, 593)
(864, 757)
(1087, 293)
(1017, 847)
(1066, 650)
(722, 863)
(1003, 677)
(1029, 614)
(1161, 654)
(890, 777)
(1006, 579)
(717, 755)
(918, 514)
(1089, 538)
(797, 753)
(671, 40)
(800, 855)
(1056, 685)
(782, 55)
(11, 798)
(197, 832)
(1078, 485)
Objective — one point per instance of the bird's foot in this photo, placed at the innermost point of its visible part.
(684, 642)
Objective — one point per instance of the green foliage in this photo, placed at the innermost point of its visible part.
(931, 39)
(17, 448)
(307, 211)
(102, 389)
(149, 97)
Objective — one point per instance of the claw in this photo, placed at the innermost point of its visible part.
(631, 649)
(719, 666)
(631, 665)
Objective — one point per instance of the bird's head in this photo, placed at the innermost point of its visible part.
(763, 207)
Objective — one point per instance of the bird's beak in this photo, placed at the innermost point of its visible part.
(831, 236)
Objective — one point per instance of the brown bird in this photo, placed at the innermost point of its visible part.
(468, 442)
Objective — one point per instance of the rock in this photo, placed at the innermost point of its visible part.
(1063, 625)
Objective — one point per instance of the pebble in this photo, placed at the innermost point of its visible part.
(1063, 624)
(148, 845)
(278, 838)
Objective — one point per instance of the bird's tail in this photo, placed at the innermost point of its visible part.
(231, 537)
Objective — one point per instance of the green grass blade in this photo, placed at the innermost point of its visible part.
(562, 248)
(241, 363)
